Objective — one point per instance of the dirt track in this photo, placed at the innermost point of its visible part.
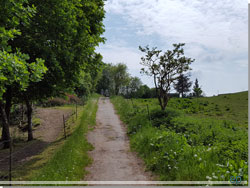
(112, 158)
(49, 130)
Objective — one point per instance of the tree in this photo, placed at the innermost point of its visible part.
(64, 33)
(106, 83)
(197, 92)
(165, 69)
(120, 76)
(182, 86)
(14, 67)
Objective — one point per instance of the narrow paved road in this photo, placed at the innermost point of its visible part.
(112, 158)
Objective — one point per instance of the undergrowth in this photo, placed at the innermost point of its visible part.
(180, 147)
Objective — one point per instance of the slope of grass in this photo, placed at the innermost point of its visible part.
(64, 160)
(184, 143)
(227, 106)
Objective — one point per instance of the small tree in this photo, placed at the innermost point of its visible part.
(133, 86)
(120, 76)
(165, 69)
(182, 86)
(197, 92)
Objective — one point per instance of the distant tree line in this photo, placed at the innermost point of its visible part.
(115, 80)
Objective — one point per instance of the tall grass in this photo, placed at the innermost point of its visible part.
(181, 147)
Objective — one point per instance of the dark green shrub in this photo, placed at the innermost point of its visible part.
(163, 118)
(55, 102)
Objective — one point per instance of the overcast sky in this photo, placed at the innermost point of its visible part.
(215, 33)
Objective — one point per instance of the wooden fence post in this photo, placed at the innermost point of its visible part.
(64, 127)
(76, 110)
(10, 161)
(149, 118)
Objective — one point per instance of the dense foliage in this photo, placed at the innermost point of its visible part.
(58, 37)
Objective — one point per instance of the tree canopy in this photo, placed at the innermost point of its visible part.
(165, 68)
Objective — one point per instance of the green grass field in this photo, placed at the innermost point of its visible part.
(193, 139)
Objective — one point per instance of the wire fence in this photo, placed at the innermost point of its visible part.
(7, 161)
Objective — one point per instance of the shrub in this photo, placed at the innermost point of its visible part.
(163, 118)
(73, 99)
(55, 102)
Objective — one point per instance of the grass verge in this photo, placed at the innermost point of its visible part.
(64, 160)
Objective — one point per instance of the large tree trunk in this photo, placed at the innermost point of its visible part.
(8, 103)
(29, 117)
(6, 127)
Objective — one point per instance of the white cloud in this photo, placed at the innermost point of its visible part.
(215, 33)
(118, 53)
(219, 24)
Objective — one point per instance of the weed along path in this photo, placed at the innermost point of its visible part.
(112, 158)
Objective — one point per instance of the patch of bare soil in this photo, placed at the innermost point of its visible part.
(46, 133)
(112, 158)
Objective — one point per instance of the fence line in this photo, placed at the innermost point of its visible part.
(12, 154)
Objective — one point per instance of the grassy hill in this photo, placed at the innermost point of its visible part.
(193, 139)
(226, 106)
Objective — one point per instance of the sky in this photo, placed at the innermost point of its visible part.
(215, 33)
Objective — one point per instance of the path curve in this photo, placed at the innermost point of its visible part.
(112, 158)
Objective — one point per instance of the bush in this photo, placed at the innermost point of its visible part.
(163, 118)
(73, 99)
(55, 102)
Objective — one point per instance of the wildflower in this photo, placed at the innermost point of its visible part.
(222, 176)
(175, 153)
(227, 172)
(195, 155)
(169, 167)
(215, 177)
(208, 149)
(200, 159)
(209, 178)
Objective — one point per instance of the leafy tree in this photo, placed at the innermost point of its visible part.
(133, 86)
(14, 69)
(182, 86)
(197, 92)
(64, 33)
(165, 69)
(106, 83)
(120, 76)
(143, 92)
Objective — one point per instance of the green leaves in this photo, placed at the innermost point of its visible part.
(15, 69)
(37, 70)
(165, 68)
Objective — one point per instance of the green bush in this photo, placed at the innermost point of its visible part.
(55, 102)
(163, 118)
